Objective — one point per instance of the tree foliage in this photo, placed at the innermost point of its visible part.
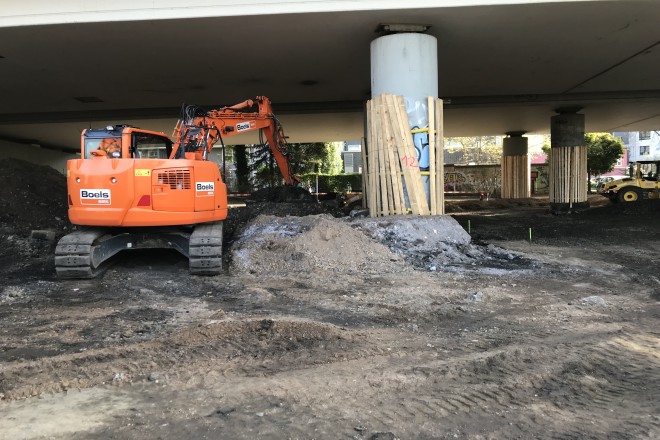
(603, 150)
(242, 168)
(303, 158)
(477, 149)
(332, 183)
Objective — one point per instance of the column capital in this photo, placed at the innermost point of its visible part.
(567, 110)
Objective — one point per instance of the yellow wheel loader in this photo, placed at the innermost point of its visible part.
(643, 184)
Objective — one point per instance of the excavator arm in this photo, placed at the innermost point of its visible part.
(198, 130)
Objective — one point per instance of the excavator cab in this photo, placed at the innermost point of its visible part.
(125, 142)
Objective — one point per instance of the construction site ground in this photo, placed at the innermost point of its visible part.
(321, 328)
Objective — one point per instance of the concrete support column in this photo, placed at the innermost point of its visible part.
(406, 64)
(568, 162)
(515, 167)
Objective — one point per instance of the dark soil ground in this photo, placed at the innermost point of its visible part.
(560, 341)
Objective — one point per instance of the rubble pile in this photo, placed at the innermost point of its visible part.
(271, 244)
(434, 242)
(311, 243)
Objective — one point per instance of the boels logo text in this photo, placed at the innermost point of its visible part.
(95, 197)
(204, 189)
(247, 125)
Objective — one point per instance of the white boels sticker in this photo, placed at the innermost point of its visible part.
(242, 126)
(204, 189)
(95, 197)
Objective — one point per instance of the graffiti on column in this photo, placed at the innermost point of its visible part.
(540, 181)
(421, 141)
(469, 179)
(417, 112)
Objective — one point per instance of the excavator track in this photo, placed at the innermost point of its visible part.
(205, 249)
(76, 255)
(82, 253)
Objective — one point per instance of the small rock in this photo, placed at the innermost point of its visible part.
(593, 301)
(476, 297)
(359, 428)
(46, 235)
(118, 377)
(154, 377)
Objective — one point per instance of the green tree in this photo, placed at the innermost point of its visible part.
(546, 150)
(477, 149)
(242, 168)
(304, 158)
(603, 150)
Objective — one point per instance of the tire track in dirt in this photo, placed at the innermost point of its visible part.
(505, 381)
(240, 347)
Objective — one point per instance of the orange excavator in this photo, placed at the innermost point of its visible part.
(136, 189)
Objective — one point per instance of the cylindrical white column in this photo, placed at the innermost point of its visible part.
(407, 64)
(515, 167)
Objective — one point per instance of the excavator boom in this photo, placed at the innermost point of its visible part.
(198, 131)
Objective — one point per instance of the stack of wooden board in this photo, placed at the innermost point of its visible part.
(391, 174)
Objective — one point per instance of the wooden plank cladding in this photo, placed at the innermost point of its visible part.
(568, 175)
(515, 177)
(391, 173)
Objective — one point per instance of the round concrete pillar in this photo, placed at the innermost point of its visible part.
(514, 145)
(568, 162)
(567, 130)
(407, 64)
(515, 167)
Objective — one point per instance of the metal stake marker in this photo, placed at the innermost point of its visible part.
(469, 227)
(530, 235)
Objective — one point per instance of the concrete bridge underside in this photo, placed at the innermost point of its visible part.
(503, 66)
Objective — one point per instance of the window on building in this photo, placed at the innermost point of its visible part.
(348, 163)
(644, 135)
(644, 150)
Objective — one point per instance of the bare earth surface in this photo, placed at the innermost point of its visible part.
(318, 331)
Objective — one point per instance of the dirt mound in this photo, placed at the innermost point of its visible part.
(365, 246)
(283, 194)
(312, 243)
(32, 197)
(239, 217)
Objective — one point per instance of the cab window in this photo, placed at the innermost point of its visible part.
(111, 145)
(147, 146)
